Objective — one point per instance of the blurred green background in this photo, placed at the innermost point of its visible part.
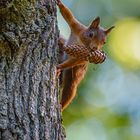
(107, 105)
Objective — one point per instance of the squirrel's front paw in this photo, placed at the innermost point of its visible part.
(58, 72)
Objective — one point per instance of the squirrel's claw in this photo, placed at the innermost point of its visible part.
(58, 72)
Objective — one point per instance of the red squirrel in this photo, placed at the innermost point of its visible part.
(92, 38)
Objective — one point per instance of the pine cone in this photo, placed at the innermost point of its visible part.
(77, 51)
(97, 57)
(83, 53)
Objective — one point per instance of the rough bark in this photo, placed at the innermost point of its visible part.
(29, 97)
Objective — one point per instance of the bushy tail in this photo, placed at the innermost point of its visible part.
(72, 78)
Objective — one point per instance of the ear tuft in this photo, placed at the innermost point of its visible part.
(95, 23)
(109, 30)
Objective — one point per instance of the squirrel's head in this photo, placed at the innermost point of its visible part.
(95, 36)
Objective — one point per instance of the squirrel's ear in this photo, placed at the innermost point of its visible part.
(95, 23)
(109, 30)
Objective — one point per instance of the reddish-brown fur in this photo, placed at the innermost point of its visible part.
(93, 37)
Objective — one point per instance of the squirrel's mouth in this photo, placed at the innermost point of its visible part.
(93, 47)
(96, 46)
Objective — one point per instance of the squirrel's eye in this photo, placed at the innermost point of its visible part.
(91, 34)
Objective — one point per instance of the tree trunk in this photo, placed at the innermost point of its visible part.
(29, 96)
